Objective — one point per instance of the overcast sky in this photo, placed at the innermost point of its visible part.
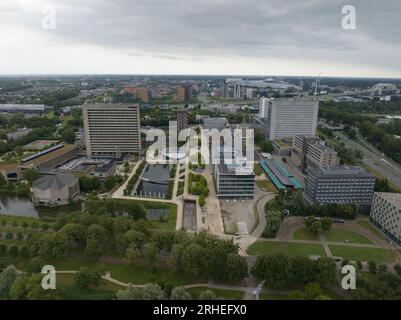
(237, 37)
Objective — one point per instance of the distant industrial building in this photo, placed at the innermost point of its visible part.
(182, 120)
(184, 93)
(287, 118)
(386, 214)
(383, 89)
(339, 185)
(55, 189)
(215, 123)
(23, 108)
(311, 151)
(22, 132)
(112, 130)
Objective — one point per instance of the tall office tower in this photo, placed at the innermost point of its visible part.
(263, 107)
(112, 130)
(237, 91)
(184, 93)
(339, 185)
(249, 93)
(182, 120)
(290, 117)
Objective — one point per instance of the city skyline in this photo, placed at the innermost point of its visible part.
(208, 38)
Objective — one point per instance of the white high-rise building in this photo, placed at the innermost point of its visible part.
(237, 91)
(249, 93)
(287, 118)
(263, 106)
(112, 130)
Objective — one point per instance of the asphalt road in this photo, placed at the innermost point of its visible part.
(375, 160)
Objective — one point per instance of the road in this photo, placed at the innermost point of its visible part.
(375, 160)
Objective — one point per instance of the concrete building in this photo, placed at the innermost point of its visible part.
(237, 91)
(182, 120)
(22, 132)
(11, 172)
(23, 108)
(263, 107)
(49, 158)
(112, 130)
(249, 93)
(339, 185)
(55, 189)
(215, 123)
(287, 118)
(386, 214)
(234, 180)
(184, 93)
(310, 150)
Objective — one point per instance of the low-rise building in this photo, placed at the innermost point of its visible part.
(11, 172)
(339, 185)
(386, 214)
(55, 189)
(22, 132)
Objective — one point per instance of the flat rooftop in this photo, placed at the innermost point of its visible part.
(344, 170)
(215, 123)
(50, 155)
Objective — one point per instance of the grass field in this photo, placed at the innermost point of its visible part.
(268, 296)
(171, 223)
(124, 272)
(363, 254)
(222, 294)
(366, 224)
(266, 185)
(341, 235)
(258, 169)
(266, 247)
(304, 234)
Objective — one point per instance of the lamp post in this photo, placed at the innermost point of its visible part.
(257, 290)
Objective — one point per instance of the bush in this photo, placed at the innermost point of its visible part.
(13, 251)
(3, 250)
(9, 236)
(20, 236)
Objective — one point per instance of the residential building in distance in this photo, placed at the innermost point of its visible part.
(184, 93)
(386, 214)
(112, 130)
(142, 94)
(237, 91)
(23, 108)
(55, 189)
(287, 118)
(339, 185)
(249, 93)
(22, 132)
(182, 120)
(263, 107)
(311, 151)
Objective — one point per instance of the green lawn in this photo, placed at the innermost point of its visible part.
(222, 294)
(266, 185)
(172, 220)
(268, 296)
(366, 224)
(304, 234)
(258, 169)
(267, 247)
(363, 254)
(341, 235)
(123, 271)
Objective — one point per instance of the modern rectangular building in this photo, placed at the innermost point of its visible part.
(234, 181)
(112, 130)
(182, 120)
(319, 155)
(386, 214)
(184, 93)
(263, 107)
(339, 185)
(287, 118)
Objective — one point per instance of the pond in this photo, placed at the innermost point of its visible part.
(23, 207)
(154, 182)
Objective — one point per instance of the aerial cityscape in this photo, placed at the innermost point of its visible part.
(200, 182)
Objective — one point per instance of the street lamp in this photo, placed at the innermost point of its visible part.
(257, 290)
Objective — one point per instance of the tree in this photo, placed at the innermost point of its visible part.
(266, 146)
(30, 175)
(235, 268)
(68, 135)
(85, 278)
(35, 265)
(273, 223)
(30, 288)
(13, 251)
(151, 254)
(316, 228)
(193, 260)
(272, 268)
(7, 278)
(372, 267)
(136, 210)
(149, 292)
(133, 255)
(207, 295)
(180, 293)
(109, 183)
(93, 248)
(327, 223)
(96, 232)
